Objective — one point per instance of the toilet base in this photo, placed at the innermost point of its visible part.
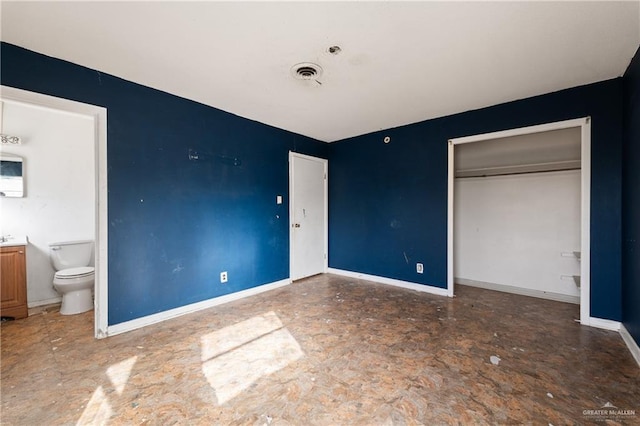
(76, 302)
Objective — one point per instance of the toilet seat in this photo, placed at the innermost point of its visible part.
(71, 273)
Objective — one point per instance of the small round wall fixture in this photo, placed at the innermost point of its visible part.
(386, 139)
(306, 71)
(334, 50)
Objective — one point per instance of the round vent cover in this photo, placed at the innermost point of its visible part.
(306, 71)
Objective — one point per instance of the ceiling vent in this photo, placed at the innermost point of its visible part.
(306, 71)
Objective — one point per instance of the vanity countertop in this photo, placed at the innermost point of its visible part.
(10, 241)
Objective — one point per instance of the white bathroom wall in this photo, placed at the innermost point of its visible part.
(59, 203)
(512, 231)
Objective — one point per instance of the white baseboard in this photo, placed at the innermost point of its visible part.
(44, 302)
(194, 307)
(519, 290)
(390, 281)
(631, 343)
(605, 324)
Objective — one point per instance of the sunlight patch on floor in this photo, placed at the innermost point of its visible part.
(119, 373)
(235, 357)
(99, 410)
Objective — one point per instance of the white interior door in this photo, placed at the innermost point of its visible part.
(308, 215)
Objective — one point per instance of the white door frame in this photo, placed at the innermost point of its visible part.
(585, 226)
(99, 117)
(325, 164)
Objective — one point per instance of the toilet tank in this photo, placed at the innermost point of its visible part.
(71, 254)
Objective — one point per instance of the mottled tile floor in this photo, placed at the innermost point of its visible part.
(324, 351)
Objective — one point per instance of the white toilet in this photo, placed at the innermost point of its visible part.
(74, 278)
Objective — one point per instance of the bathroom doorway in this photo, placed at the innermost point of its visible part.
(92, 118)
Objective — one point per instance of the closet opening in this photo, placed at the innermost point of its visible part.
(519, 212)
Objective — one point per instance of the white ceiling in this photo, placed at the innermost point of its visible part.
(400, 62)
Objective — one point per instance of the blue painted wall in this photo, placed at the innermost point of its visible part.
(175, 223)
(631, 201)
(388, 202)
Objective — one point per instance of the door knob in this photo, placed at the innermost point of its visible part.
(296, 225)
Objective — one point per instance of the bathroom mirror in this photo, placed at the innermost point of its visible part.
(11, 176)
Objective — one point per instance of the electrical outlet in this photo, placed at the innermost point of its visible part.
(223, 277)
(419, 268)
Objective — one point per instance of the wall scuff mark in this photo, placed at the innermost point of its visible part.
(224, 159)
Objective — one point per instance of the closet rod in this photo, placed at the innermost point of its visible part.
(518, 173)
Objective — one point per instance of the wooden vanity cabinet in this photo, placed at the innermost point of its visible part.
(13, 282)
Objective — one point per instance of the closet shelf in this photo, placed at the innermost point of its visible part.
(574, 254)
(576, 279)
